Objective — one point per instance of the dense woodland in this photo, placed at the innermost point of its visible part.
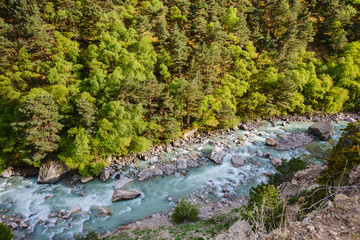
(88, 79)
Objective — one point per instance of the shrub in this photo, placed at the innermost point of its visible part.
(92, 235)
(265, 208)
(5, 232)
(185, 211)
(344, 156)
(286, 171)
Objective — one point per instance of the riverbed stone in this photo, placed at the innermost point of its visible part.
(259, 153)
(105, 174)
(276, 161)
(120, 195)
(181, 164)
(52, 172)
(148, 173)
(86, 179)
(270, 142)
(73, 210)
(237, 161)
(7, 173)
(121, 183)
(293, 141)
(322, 130)
(217, 155)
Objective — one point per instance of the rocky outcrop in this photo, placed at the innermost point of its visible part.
(270, 142)
(121, 183)
(52, 172)
(105, 174)
(241, 230)
(190, 133)
(217, 155)
(337, 221)
(120, 195)
(293, 141)
(237, 161)
(322, 130)
(302, 180)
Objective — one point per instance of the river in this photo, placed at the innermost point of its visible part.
(36, 203)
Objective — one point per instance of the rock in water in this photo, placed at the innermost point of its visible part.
(237, 161)
(52, 172)
(217, 155)
(119, 184)
(86, 179)
(75, 209)
(259, 153)
(276, 162)
(119, 195)
(105, 174)
(270, 142)
(322, 130)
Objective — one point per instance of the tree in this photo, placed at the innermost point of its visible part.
(38, 127)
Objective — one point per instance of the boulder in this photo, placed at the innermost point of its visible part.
(73, 210)
(217, 155)
(121, 183)
(241, 230)
(168, 169)
(52, 172)
(105, 211)
(105, 174)
(7, 173)
(237, 161)
(259, 153)
(181, 164)
(13, 225)
(276, 162)
(270, 142)
(86, 179)
(120, 195)
(322, 130)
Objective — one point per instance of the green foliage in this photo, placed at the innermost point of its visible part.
(91, 235)
(344, 156)
(185, 211)
(122, 75)
(264, 208)
(286, 171)
(5, 232)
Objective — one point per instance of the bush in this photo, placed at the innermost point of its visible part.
(5, 232)
(185, 211)
(92, 235)
(344, 156)
(286, 171)
(265, 208)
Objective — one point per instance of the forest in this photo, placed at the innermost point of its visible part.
(84, 80)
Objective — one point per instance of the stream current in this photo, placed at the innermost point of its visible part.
(37, 203)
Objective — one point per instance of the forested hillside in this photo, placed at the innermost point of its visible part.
(88, 79)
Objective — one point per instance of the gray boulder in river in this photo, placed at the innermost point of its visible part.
(322, 130)
(119, 195)
(217, 155)
(52, 172)
(105, 174)
(237, 161)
